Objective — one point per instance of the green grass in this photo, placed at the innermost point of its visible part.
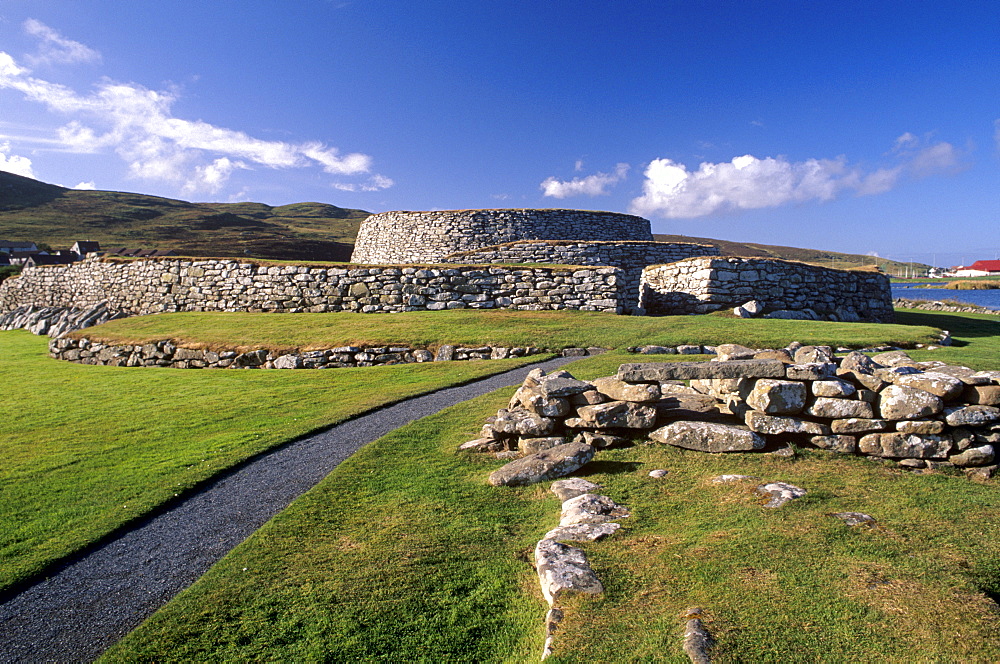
(87, 449)
(545, 329)
(443, 573)
(976, 337)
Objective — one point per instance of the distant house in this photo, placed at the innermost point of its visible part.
(978, 269)
(8, 247)
(48, 259)
(82, 248)
(21, 256)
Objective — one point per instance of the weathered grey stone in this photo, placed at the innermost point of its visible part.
(615, 414)
(840, 409)
(657, 350)
(572, 487)
(894, 358)
(708, 437)
(905, 446)
(974, 456)
(555, 385)
(855, 518)
(938, 384)
(658, 473)
(780, 493)
(780, 354)
(483, 445)
(421, 355)
(591, 508)
(981, 474)
(812, 354)
(777, 397)
(920, 426)
(288, 362)
(689, 349)
(600, 441)
(731, 479)
(582, 532)
(533, 445)
(651, 373)
(839, 443)
(555, 462)
(773, 425)
(972, 416)
(588, 398)
(697, 644)
(522, 423)
(898, 402)
(619, 390)
(563, 570)
(811, 371)
(726, 352)
(858, 425)
(445, 353)
(542, 405)
(962, 439)
(833, 388)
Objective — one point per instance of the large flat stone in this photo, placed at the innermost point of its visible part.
(564, 570)
(708, 437)
(649, 373)
(546, 465)
(615, 414)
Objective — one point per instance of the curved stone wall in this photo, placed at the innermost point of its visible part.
(177, 284)
(629, 257)
(701, 285)
(427, 237)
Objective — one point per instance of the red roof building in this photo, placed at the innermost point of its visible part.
(986, 266)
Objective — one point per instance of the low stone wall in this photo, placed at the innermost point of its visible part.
(165, 285)
(701, 285)
(631, 257)
(426, 237)
(168, 354)
(937, 305)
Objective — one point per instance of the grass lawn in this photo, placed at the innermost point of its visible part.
(544, 329)
(87, 449)
(444, 574)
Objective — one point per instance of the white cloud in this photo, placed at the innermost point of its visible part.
(86, 186)
(374, 183)
(13, 163)
(139, 126)
(54, 49)
(578, 166)
(592, 185)
(748, 182)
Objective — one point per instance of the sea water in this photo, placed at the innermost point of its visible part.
(982, 298)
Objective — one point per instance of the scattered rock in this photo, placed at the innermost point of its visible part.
(780, 493)
(572, 487)
(564, 570)
(619, 390)
(591, 508)
(974, 456)
(658, 473)
(614, 414)
(697, 641)
(555, 462)
(855, 519)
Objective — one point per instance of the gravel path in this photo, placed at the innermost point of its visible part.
(93, 601)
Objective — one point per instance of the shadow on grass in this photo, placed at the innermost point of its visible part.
(958, 325)
(608, 468)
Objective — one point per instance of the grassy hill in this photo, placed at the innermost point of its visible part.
(32, 210)
(813, 256)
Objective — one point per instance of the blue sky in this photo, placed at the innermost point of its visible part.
(867, 127)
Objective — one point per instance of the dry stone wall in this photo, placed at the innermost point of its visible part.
(630, 256)
(786, 289)
(427, 237)
(166, 285)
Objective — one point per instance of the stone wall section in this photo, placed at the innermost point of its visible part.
(701, 285)
(630, 256)
(167, 285)
(427, 237)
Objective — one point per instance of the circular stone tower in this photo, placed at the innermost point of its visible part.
(426, 237)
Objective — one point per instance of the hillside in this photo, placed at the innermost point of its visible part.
(32, 210)
(813, 256)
